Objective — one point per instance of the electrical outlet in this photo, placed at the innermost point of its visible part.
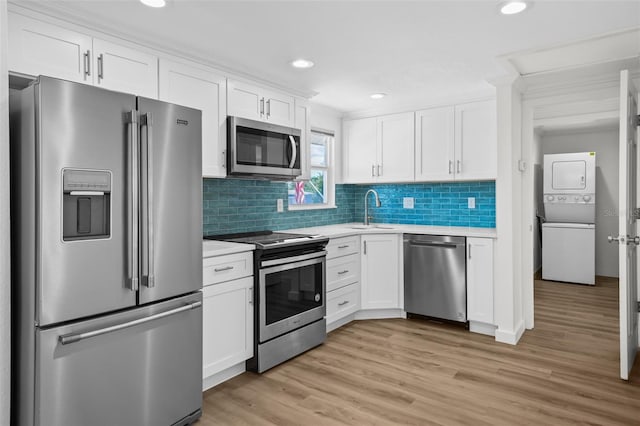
(471, 202)
(280, 205)
(407, 202)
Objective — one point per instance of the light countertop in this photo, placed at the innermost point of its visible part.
(345, 229)
(212, 248)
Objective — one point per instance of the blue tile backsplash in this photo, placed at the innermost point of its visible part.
(241, 205)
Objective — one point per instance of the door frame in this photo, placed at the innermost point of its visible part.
(538, 108)
(558, 107)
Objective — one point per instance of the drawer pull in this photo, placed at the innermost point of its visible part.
(343, 272)
(344, 246)
(226, 268)
(343, 303)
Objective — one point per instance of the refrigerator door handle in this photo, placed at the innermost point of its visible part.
(72, 338)
(133, 197)
(146, 121)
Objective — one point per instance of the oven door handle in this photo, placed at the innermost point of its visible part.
(285, 260)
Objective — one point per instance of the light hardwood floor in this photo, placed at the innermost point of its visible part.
(396, 371)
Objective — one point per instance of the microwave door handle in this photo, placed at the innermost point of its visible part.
(294, 151)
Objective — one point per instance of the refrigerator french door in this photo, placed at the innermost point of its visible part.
(107, 251)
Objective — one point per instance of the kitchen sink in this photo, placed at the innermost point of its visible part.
(372, 226)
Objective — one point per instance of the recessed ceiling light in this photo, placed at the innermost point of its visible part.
(154, 3)
(378, 95)
(512, 7)
(302, 63)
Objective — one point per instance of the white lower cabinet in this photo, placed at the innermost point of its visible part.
(343, 280)
(227, 329)
(343, 302)
(480, 285)
(380, 271)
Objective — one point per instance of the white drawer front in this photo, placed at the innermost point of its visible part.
(343, 302)
(342, 271)
(343, 246)
(225, 268)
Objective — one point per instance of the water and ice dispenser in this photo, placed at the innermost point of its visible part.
(86, 204)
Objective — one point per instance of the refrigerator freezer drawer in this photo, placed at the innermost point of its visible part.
(141, 367)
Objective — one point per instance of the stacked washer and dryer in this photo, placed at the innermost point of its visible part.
(569, 231)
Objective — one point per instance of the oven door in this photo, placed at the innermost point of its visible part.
(292, 293)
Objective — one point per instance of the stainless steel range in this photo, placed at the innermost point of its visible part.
(289, 271)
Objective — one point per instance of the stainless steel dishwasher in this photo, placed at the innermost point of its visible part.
(435, 283)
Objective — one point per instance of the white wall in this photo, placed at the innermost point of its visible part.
(538, 202)
(5, 273)
(605, 144)
(325, 118)
(508, 297)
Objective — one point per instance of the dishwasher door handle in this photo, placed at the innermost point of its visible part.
(434, 244)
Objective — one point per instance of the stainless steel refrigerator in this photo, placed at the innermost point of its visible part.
(107, 258)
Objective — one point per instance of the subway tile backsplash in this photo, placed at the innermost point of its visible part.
(241, 205)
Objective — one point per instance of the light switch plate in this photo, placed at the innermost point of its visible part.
(280, 205)
(471, 202)
(408, 202)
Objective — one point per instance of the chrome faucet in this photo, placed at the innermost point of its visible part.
(366, 206)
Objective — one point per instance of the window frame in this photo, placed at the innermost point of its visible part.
(330, 173)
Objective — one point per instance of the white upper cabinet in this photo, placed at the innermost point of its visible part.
(203, 89)
(456, 143)
(360, 148)
(435, 144)
(125, 70)
(379, 149)
(395, 148)
(303, 122)
(256, 103)
(38, 48)
(476, 141)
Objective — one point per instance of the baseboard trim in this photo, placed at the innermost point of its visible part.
(380, 314)
(482, 328)
(510, 337)
(340, 322)
(223, 376)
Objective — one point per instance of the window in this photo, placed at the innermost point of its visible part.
(318, 191)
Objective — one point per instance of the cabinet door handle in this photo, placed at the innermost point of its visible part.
(344, 246)
(251, 295)
(450, 165)
(469, 251)
(343, 272)
(343, 303)
(226, 268)
(261, 107)
(373, 170)
(365, 247)
(87, 63)
(459, 167)
(379, 167)
(268, 108)
(101, 67)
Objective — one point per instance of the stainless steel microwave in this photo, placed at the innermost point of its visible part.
(262, 150)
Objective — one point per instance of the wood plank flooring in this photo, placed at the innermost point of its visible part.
(384, 372)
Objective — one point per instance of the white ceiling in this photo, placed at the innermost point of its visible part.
(415, 51)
